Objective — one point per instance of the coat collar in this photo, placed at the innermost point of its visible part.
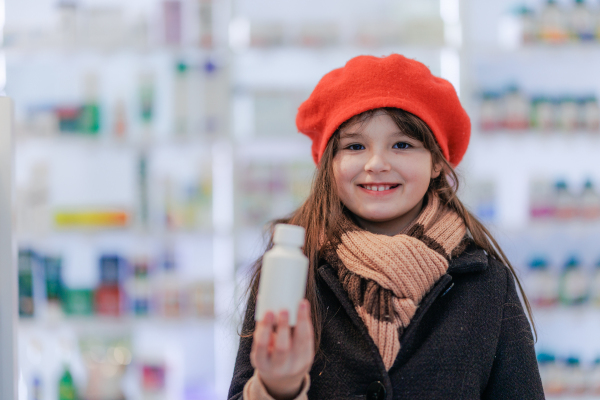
(472, 259)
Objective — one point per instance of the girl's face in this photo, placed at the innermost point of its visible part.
(382, 174)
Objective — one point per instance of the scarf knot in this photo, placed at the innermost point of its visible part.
(386, 277)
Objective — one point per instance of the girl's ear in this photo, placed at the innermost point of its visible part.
(436, 170)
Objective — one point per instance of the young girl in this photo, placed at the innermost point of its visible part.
(408, 295)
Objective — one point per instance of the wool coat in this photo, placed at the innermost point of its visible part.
(469, 339)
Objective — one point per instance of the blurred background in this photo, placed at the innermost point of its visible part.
(154, 139)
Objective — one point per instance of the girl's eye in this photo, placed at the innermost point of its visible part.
(355, 146)
(402, 145)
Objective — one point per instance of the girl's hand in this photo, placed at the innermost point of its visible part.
(283, 355)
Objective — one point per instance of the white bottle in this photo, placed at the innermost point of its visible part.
(283, 274)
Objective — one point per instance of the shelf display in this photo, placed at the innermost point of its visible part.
(557, 24)
(512, 110)
(557, 201)
(272, 190)
(567, 377)
(575, 285)
(153, 135)
(126, 288)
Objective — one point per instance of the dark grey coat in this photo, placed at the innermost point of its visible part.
(469, 339)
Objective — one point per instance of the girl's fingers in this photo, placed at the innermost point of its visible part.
(304, 333)
(281, 350)
(259, 355)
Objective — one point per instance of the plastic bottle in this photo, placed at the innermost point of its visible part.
(119, 119)
(589, 207)
(516, 109)
(574, 287)
(542, 284)
(66, 388)
(146, 99)
(552, 24)
(89, 118)
(171, 299)
(543, 113)
(37, 389)
(180, 97)
(551, 374)
(139, 287)
(593, 380)
(541, 203)
(566, 204)
(283, 274)
(569, 114)
(581, 22)
(528, 24)
(109, 297)
(26, 283)
(490, 113)
(574, 376)
(591, 111)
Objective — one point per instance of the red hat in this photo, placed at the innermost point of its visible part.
(366, 83)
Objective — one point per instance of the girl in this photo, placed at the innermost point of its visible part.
(408, 295)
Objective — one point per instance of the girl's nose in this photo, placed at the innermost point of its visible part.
(377, 163)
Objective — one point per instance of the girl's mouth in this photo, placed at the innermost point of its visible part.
(379, 187)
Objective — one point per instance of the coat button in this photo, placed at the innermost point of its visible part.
(376, 391)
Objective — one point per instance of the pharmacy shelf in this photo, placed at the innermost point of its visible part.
(302, 68)
(276, 150)
(112, 325)
(111, 141)
(542, 50)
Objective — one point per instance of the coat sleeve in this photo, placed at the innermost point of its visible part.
(243, 370)
(245, 383)
(515, 373)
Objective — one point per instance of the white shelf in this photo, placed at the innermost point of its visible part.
(302, 68)
(107, 325)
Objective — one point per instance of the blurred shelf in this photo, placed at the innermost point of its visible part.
(525, 155)
(106, 141)
(102, 324)
(561, 311)
(65, 53)
(539, 134)
(302, 68)
(97, 232)
(539, 49)
(295, 147)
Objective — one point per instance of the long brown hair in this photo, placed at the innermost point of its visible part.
(322, 211)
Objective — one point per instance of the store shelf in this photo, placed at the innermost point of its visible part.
(112, 325)
(303, 67)
(514, 154)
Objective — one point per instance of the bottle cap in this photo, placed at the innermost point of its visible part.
(291, 235)
(538, 263)
(545, 358)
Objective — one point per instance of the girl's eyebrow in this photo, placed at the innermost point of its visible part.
(353, 135)
(346, 135)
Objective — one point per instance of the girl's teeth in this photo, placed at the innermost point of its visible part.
(377, 188)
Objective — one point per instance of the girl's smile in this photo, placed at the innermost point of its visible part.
(379, 189)
(382, 174)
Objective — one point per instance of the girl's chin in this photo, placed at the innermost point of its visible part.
(379, 217)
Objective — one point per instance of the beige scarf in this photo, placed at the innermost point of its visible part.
(386, 277)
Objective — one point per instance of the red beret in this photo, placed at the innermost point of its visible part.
(366, 83)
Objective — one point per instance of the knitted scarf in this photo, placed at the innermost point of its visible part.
(387, 276)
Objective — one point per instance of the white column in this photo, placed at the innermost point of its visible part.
(8, 270)
(223, 265)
